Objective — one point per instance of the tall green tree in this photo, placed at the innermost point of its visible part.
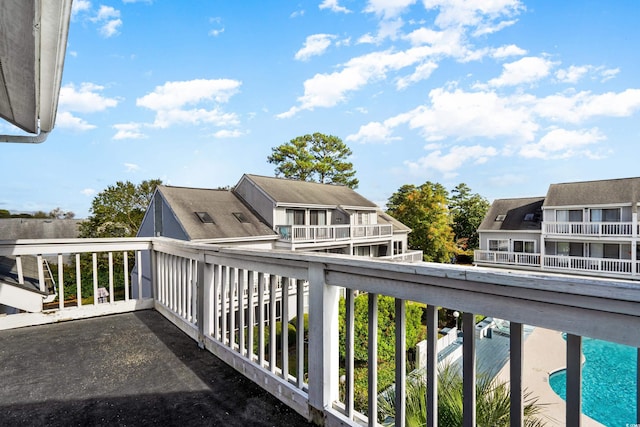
(318, 158)
(424, 209)
(118, 210)
(467, 210)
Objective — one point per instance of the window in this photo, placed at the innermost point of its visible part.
(499, 245)
(205, 217)
(317, 217)
(295, 216)
(240, 217)
(526, 246)
(397, 247)
(605, 215)
(604, 250)
(529, 217)
(362, 251)
(570, 249)
(362, 218)
(569, 215)
(500, 217)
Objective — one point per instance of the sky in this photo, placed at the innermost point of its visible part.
(506, 96)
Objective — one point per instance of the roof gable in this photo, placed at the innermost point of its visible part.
(514, 214)
(221, 206)
(592, 193)
(303, 193)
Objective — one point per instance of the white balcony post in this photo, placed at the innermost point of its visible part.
(372, 354)
(323, 339)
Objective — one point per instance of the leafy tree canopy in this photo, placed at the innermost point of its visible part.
(118, 210)
(467, 210)
(424, 209)
(317, 158)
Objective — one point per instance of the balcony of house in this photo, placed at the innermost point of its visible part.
(232, 305)
(507, 258)
(591, 229)
(409, 256)
(333, 233)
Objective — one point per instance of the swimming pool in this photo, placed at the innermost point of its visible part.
(608, 382)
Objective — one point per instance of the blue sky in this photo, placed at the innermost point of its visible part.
(506, 96)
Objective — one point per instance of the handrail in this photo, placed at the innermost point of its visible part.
(231, 299)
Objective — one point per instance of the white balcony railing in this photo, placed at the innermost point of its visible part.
(230, 299)
(322, 233)
(589, 228)
(513, 258)
(607, 265)
(409, 256)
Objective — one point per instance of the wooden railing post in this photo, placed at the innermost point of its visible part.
(323, 340)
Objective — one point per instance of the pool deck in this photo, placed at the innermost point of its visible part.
(545, 353)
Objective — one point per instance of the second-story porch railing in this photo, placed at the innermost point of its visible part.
(321, 233)
(594, 265)
(589, 228)
(231, 300)
(513, 258)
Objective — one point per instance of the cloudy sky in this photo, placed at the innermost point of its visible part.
(506, 96)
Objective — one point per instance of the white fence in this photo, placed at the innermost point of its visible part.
(230, 300)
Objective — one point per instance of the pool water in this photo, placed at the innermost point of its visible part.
(608, 382)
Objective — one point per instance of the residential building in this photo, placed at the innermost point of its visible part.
(586, 227)
(275, 213)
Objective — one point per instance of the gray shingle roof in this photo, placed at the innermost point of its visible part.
(590, 193)
(513, 214)
(302, 193)
(37, 228)
(221, 206)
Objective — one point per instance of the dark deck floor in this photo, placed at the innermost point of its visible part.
(129, 369)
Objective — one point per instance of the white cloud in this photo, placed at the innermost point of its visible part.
(178, 94)
(314, 45)
(327, 90)
(422, 72)
(609, 74)
(388, 8)
(448, 163)
(226, 133)
(465, 115)
(477, 13)
(572, 74)
(216, 32)
(79, 6)
(84, 99)
(529, 69)
(562, 144)
(373, 132)
(109, 20)
(88, 192)
(131, 167)
(333, 6)
(508, 50)
(64, 119)
(578, 107)
(170, 102)
(297, 13)
(128, 131)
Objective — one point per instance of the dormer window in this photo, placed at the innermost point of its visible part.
(205, 217)
(529, 217)
(240, 217)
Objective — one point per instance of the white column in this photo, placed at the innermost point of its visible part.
(323, 339)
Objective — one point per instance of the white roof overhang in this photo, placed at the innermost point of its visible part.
(33, 41)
